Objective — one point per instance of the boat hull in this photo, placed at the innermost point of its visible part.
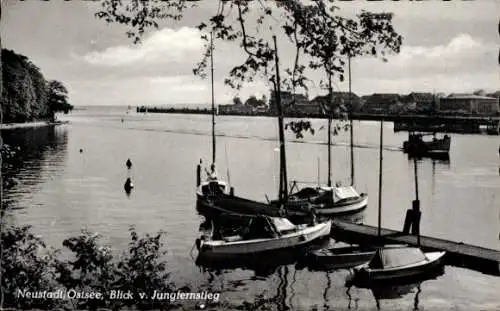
(417, 146)
(339, 258)
(224, 249)
(228, 204)
(263, 263)
(435, 262)
(350, 207)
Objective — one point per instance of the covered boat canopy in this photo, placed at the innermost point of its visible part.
(393, 257)
(342, 193)
(282, 224)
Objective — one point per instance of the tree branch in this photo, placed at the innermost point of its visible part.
(245, 37)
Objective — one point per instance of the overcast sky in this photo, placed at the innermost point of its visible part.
(448, 46)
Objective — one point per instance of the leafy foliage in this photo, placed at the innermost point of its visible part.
(27, 96)
(142, 269)
(141, 15)
(92, 270)
(26, 264)
(316, 30)
(91, 267)
(58, 98)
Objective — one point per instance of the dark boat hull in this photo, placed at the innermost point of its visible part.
(393, 275)
(229, 204)
(417, 146)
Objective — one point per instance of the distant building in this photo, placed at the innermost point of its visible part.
(289, 101)
(343, 99)
(381, 102)
(494, 94)
(235, 109)
(469, 104)
(418, 102)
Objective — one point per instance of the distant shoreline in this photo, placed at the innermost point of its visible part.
(12, 126)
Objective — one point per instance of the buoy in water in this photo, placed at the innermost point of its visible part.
(128, 163)
(81, 150)
(128, 185)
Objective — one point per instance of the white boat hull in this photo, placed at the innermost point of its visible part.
(346, 209)
(304, 236)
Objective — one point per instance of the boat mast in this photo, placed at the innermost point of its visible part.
(213, 96)
(283, 191)
(380, 179)
(350, 122)
(330, 99)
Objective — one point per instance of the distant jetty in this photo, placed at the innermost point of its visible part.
(143, 109)
(448, 123)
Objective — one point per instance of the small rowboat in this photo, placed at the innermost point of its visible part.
(339, 257)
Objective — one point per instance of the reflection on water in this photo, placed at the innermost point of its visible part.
(41, 156)
(395, 292)
(62, 190)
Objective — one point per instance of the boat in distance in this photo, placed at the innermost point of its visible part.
(396, 262)
(263, 234)
(416, 145)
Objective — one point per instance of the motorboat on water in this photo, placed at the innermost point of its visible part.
(395, 262)
(262, 234)
(416, 145)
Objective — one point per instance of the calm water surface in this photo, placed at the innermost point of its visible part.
(61, 190)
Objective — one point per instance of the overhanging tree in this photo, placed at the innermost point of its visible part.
(319, 34)
(57, 98)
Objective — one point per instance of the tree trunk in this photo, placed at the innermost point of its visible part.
(1, 164)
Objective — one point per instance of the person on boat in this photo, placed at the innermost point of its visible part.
(212, 174)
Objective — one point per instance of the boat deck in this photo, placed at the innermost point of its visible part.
(458, 253)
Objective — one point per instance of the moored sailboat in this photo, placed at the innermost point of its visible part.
(336, 200)
(395, 262)
(212, 187)
(325, 200)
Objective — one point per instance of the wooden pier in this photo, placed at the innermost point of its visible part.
(458, 254)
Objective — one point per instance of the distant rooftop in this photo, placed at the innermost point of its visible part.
(469, 96)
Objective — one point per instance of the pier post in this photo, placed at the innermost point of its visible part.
(198, 175)
(408, 221)
(416, 215)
